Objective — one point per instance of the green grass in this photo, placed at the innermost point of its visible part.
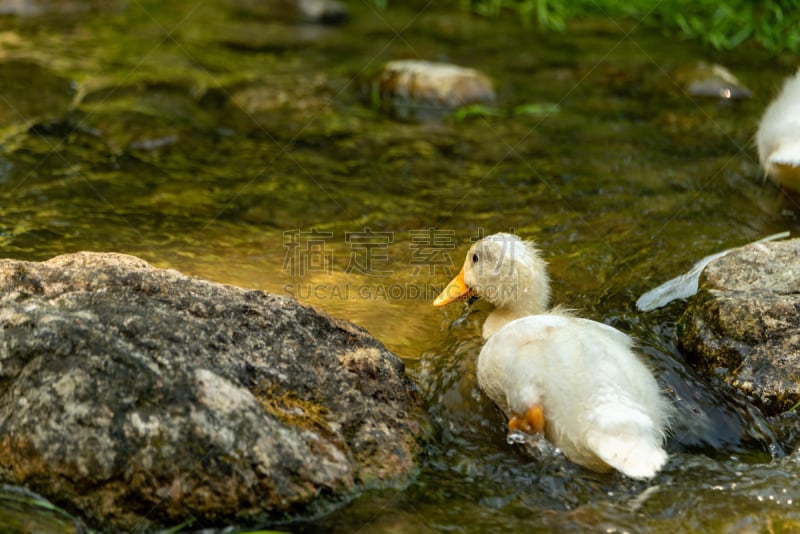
(723, 25)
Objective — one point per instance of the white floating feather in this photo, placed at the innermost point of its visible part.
(685, 285)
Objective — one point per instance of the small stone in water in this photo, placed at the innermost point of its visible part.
(535, 444)
(417, 89)
(716, 81)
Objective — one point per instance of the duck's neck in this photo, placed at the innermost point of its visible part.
(499, 317)
(524, 291)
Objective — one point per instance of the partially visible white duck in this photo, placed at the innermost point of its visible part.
(576, 380)
(778, 136)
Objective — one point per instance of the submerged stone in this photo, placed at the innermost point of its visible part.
(269, 36)
(31, 91)
(33, 8)
(743, 323)
(421, 89)
(320, 11)
(308, 93)
(712, 80)
(138, 398)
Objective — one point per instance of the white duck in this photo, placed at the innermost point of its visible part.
(778, 136)
(576, 380)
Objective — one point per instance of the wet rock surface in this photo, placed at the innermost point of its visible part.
(140, 398)
(744, 323)
(424, 89)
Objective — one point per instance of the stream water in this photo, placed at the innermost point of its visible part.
(248, 152)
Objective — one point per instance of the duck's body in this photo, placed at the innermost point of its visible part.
(778, 137)
(601, 405)
(576, 380)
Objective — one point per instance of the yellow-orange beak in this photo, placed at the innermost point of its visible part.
(455, 290)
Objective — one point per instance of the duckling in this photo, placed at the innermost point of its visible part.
(778, 136)
(575, 380)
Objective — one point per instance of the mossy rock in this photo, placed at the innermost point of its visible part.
(139, 398)
(744, 323)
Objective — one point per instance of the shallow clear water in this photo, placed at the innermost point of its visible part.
(247, 152)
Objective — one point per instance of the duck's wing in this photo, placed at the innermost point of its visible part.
(595, 328)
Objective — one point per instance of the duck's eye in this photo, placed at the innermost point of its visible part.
(474, 258)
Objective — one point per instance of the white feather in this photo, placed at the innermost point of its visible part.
(685, 285)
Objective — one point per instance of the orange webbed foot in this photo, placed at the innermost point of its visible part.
(531, 423)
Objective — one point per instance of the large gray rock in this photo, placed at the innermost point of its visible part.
(138, 397)
(744, 323)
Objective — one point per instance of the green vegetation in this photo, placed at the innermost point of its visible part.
(774, 24)
(479, 110)
(476, 110)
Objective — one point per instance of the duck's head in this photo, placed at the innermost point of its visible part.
(504, 270)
